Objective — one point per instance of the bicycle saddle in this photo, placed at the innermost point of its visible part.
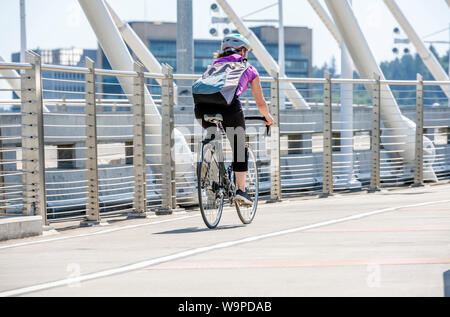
(213, 118)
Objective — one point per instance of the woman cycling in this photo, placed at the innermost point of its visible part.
(235, 48)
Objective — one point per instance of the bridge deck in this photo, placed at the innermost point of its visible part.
(392, 243)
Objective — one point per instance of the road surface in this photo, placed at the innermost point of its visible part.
(391, 243)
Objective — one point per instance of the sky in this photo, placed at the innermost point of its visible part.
(61, 24)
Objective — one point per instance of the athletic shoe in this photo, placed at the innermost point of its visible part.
(243, 198)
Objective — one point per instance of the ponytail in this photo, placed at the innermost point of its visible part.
(227, 52)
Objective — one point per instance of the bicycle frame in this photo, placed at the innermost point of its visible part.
(224, 186)
(226, 174)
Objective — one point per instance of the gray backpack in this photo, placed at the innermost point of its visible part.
(219, 83)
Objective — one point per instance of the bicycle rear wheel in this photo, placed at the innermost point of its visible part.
(210, 193)
(247, 212)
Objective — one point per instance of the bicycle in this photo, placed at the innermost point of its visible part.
(216, 182)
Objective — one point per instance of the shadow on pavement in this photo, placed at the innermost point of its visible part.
(195, 230)
(404, 194)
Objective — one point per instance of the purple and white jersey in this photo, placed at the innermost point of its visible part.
(247, 77)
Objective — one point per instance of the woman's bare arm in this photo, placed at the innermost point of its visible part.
(257, 91)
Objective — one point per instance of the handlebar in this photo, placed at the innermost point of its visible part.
(256, 118)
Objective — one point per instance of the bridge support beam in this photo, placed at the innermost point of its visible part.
(366, 64)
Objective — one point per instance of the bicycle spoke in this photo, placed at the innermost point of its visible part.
(210, 194)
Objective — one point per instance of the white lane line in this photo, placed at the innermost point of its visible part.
(188, 253)
(96, 233)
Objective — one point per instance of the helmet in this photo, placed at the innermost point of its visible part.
(235, 42)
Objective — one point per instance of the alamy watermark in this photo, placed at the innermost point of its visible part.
(374, 277)
(73, 278)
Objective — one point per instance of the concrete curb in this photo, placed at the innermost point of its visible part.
(20, 227)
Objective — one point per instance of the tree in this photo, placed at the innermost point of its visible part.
(407, 68)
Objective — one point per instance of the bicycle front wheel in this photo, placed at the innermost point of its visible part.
(210, 193)
(247, 212)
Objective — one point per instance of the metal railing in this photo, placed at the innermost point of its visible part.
(100, 152)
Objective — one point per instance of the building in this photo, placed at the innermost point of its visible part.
(298, 49)
(62, 85)
(161, 39)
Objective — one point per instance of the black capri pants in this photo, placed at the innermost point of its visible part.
(234, 125)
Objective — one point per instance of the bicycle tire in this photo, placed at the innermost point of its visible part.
(210, 194)
(247, 213)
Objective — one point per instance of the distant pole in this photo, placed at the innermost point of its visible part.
(185, 49)
(185, 37)
(347, 113)
(281, 54)
(23, 31)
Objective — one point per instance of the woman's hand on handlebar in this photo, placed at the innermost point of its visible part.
(269, 120)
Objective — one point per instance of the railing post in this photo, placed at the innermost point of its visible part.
(275, 177)
(92, 202)
(167, 143)
(33, 146)
(418, 168)
(139, 158)
(327, 138)
(3, 210)
(375, 182)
